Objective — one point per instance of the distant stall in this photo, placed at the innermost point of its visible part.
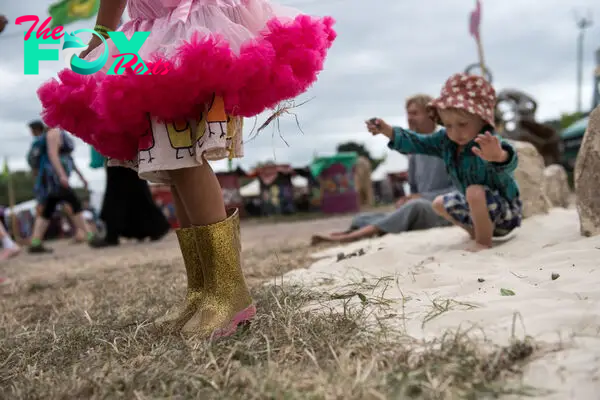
(230, 185)
(276, 188)
(336, 181)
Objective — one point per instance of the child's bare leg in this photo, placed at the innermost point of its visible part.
(482, 223)
(199, 192)
(180, 212)
(346, 237)
(438, 207)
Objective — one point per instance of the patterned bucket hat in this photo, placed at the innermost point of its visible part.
(471, 93)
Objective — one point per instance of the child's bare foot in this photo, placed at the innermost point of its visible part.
(475, 247)
(318, 239)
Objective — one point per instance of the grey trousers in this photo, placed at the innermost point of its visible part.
(415, 215)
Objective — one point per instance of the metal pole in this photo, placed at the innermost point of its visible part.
(582, 24)
(579, 68)
(596, 97)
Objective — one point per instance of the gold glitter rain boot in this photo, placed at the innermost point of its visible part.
(175, 318)
(226, 301)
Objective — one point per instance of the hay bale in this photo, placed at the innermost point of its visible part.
(529, 175)
(556, 185)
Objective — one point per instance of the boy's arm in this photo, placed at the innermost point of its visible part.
(512, 160)
(410, 142)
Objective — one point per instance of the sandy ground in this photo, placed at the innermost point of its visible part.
(543, 283)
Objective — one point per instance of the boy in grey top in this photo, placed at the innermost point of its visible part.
(427, 178)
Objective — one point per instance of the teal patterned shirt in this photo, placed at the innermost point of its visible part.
(464, 167)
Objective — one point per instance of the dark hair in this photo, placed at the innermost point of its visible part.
(37, 125)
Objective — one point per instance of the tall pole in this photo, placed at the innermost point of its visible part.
(582, 24)
(596, 98)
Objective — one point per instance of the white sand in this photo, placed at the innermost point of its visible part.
(431, 265)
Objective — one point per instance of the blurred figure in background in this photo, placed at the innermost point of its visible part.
(50, 159)
(9, 247)
(128, 209)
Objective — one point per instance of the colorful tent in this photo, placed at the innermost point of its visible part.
(276, 188)
(336, 181)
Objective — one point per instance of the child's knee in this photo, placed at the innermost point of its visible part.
(475, 194)
(438, 205)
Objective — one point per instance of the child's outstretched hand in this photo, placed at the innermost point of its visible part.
(377, 126)
(490, 148)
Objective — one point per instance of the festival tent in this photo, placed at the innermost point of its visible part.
(252, 189)
(336, 177)
(276, 193)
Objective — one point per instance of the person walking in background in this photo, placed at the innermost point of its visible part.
(128, 209)
(33, 160)
(50, 157)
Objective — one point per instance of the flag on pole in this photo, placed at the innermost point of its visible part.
(475, 20)
(65, 12)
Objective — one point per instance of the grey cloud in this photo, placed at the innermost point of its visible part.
(385, 51)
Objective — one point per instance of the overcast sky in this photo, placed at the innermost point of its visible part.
(386, 50)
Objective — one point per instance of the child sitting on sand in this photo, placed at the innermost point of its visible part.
(480, 163)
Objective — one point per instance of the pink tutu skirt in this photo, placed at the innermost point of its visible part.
(244, 56)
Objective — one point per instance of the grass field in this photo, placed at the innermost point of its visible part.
(78, 325)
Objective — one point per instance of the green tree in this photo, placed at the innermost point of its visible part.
(361, 150)
(23, 183)
(567, 119)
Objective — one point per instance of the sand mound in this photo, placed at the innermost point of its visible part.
(546, 277)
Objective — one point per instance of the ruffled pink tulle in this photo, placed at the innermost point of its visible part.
(67, 103)
(110, 112)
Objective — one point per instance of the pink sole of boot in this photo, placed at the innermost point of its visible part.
(243, 316)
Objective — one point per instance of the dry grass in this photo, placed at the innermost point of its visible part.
(81, 329)
(90, 337)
